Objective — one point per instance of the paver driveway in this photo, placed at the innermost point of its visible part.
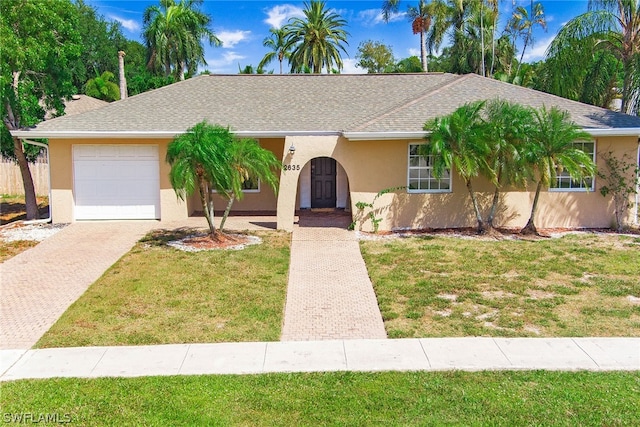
(329, 295)
(38, 285)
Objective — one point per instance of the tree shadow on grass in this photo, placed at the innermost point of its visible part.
(161, 237)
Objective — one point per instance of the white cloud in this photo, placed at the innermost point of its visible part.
(128, 24)
(371, 17)
(414, 52)
(537, 51)
(226, 64)
(232, 38)
(280, 14)
(350, 67)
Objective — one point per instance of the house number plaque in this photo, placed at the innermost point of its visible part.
(291, 167)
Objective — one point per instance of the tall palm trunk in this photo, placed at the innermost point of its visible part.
(121, 76)
(524, 47)
(482, 67)
(423, 52)
(476, 209)
(626, 88)
(530, 228)
(493, 45)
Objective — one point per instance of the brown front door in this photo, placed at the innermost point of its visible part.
(323, 183)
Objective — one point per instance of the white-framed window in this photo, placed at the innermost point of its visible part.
(564, 182)
(251, 185)
(420, 178)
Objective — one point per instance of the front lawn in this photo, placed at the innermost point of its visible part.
(342, 398)
(577, 285)
(156, 294)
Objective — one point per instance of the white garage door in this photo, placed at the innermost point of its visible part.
(116, 181)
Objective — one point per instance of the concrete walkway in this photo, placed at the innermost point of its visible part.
(329, 295)
(38, 285)
(433, 354)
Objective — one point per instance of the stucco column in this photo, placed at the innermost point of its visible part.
(288, 186)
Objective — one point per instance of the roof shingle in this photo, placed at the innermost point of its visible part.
(327, 103)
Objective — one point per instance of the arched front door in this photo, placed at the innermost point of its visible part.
(323, 182)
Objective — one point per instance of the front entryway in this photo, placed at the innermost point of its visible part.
(323, 183)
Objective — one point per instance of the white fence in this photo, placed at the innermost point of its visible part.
(11, 179)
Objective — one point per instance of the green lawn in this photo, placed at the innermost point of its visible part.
(390, 398)
(577, 285)
(156, 294)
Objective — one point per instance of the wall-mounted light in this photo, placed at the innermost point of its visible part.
(292, 150)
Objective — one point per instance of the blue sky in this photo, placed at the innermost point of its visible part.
(242, 25)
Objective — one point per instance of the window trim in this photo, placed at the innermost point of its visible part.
(578, 189)
(424, 191)
(252, 191)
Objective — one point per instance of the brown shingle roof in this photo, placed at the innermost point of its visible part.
(328, 103)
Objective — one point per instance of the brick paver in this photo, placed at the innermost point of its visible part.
(38, 285)
(329, 295)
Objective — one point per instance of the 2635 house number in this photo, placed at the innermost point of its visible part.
(291, 167)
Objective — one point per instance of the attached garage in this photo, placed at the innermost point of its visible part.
(116, 181)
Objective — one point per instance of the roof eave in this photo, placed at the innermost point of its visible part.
(378, 136)
(614, 132)
(35, 133)
(352, 136)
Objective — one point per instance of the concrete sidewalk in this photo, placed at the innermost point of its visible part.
(431, 354)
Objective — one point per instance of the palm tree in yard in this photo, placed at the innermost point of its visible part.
(611, 27)
(174, 33)
(250, 162)
(551, 150)
(457, 141)
(201, 159)
(508, 129)
(275, 42)
(420, 17)
(316, 40)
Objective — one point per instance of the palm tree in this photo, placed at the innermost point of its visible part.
(508, 129)
(103, 87)
(457, 140)
(522, 23)
(420, 17)
(451, 16)
(551, 150)
(275, 42)
(249, 162)
(609, 26)
(316, 40)
(201, 158)
(173, 33)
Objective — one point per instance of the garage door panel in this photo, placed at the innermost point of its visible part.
(116, 182)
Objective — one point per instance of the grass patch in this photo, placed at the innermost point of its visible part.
(577, 285)
(156, 295)
(11, 249)
(345, 398)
